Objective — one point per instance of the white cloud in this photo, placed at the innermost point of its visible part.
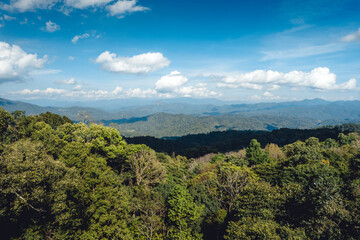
(143, 63)
(15, 63)
(196, 91)
(9, 18)
(71, 58)
(70, 81)
(351, 84)
(77, 87)
(77, 92)
(41, 93)
(172, 85)
(139, 93)
(352, 37)
(240, 85)
(117, 93)
(28, 5)
(50, 27)
(274, 87)
(170, 82)
(77, 37)
(122, 7)
(115, 8)
(82, 4)
(319, 78)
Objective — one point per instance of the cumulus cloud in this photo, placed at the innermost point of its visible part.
(114, 7)
(82, 4)
(27, 5)
(196, 91)
(15, 63)
(170, 82)
(37, 93)
(77, 37)
(139, 93)
(70, 81)
(122, 7)
(172, 85)
(143, 63)
(50, 27)
(319, 78)
(352, 37)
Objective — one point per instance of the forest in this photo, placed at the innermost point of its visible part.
(65, 180)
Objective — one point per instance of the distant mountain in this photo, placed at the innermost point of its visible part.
(116, 105)
(71, 112)
(171, 125)
(168, 118)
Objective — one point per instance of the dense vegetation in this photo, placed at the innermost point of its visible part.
(61, 180)
(197, 145)
(171, 125)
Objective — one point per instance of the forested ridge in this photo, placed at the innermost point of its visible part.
(61, 180)
(197, 145)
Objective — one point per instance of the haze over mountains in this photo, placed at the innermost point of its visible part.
(179, 117)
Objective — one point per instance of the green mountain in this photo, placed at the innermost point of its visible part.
(172, 119)
(172, 125)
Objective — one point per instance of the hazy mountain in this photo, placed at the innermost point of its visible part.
(167, 118)
(116, 105)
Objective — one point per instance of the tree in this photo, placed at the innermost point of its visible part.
(183, 214)
(145, 167)
(34, 191)
(231, 181)
(254, 153)
(5, 120)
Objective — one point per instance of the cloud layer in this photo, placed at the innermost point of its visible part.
(319, 78)
(115, 8)
(15, 63)
(143, 63)
(28, 5)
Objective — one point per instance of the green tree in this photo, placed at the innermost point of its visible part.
(144, 166)
(183, 214)
(254, 153)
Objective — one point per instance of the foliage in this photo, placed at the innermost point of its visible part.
(61, 180)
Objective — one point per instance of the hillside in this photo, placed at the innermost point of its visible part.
(173, 125)
(197, 145)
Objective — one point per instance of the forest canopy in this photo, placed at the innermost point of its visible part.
(61, 180)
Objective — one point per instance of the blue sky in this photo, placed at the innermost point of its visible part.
(247, 51)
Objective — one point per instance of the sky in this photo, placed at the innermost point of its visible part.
(232, 50)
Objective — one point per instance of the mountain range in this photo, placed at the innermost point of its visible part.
(179, 117)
